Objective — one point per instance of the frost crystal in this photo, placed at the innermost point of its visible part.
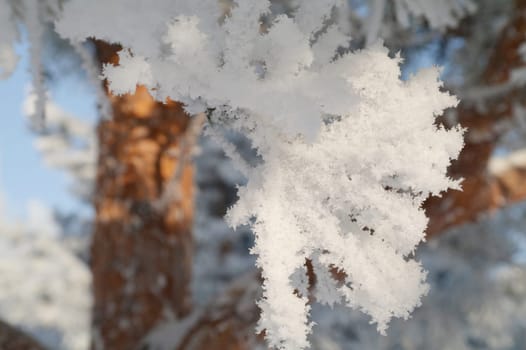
(349, 151)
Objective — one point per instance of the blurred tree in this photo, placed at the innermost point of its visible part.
(141, 253)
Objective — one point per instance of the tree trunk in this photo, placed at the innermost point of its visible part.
(227, 323)
(141, 253)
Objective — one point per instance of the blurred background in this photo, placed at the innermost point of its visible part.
(111, 229)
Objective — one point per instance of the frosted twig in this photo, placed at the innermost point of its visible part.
(229, 149)
(93, 74)
(35, 32)
(171, 191)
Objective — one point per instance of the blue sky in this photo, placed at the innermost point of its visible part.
(23, 175)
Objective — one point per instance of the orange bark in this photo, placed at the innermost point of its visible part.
(141, 252)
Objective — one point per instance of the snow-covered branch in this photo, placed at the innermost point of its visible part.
(349, 150)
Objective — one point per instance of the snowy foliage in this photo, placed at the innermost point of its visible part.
(221, 254)
(64, 141)
(349, 200)
(44, 287)
(67, 143)
(340, 182)
(35, 15)
(439, 15)
(477, 298)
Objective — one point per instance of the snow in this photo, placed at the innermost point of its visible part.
(221, 254)
(322, 209)
(66, 142)
(499, 164)
(339, 180)
(476, 299)
(477, 296)
(440, 14)
(44, 287)
(383, 19)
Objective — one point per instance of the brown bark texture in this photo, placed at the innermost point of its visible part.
(141, 253)
(481, 190)
(226, 323)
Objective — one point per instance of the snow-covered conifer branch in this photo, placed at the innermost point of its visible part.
(67, 143)
(349, 151)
